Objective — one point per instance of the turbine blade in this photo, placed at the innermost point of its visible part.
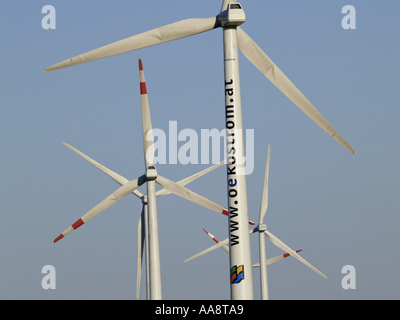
(274, 259)
(173, 31)
(269, 69)
(218, 245)
(225, 247)
(284, 247)
(107, 202)
(148, 138)
(264, 199)
(189, 195)
(192, 196)
(115, 176)
(184, 182)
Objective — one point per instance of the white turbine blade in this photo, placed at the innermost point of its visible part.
(107, 202)
(225, 247)
(274, 259)
(140, 253)
(187, 180)
(269, 69)
(173, 31)
(264, 199)
(148, 138)
(284, 247)
(218, 245)
(189, 195)
(115, 176)
(192, 196)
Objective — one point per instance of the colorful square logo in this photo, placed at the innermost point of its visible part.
(237, 274)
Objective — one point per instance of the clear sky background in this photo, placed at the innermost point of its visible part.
(341, 209)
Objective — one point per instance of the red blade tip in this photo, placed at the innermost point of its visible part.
(58, 238)
(288, 254)
(140, 65)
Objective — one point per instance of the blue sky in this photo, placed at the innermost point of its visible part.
(341, 209)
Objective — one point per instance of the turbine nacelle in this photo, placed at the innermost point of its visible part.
(260, 228)
(151, 173)
(233, 16)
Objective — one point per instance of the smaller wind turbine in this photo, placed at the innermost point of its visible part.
(262, 230)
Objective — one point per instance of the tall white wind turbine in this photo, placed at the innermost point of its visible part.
(229, 19)
(149, 212)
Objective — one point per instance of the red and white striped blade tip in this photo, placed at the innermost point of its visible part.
(288, 254)
(75, 226)
(211, 235)
(143, 89)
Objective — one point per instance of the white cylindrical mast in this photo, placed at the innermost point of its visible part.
(146, 237)
(154, 261)
(263, 263)
(240, 258)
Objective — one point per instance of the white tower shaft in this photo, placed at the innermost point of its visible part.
(240, 258)
(263, 264)
(155, 269)
(146, 233)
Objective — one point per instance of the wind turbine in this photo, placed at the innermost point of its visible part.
(142, 225)
(262, 230)
(231, 16)
(149, 200)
